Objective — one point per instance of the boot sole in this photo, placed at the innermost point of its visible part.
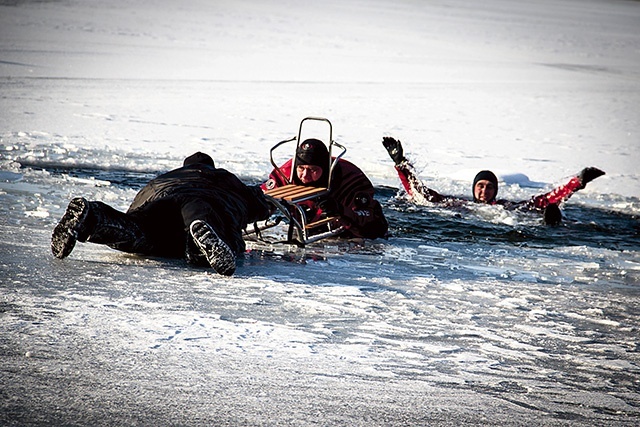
(65, 235)
(220, 257)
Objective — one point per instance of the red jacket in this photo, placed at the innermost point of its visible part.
(359, 212)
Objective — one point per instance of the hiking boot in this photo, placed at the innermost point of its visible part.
(65, 234)
(220, 257)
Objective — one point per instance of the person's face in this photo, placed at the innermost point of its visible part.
(308, 173)
(484, 191)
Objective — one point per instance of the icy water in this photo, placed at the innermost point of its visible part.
(473, 316)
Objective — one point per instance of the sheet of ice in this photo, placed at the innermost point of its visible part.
(475, 317)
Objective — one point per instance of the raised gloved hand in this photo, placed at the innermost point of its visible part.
(589, 174)
(329, 206)
(394, 148)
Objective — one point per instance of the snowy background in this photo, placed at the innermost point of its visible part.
(477, 317)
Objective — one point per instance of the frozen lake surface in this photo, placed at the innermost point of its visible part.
(473, 316)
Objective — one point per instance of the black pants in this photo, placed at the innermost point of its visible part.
(158, 228)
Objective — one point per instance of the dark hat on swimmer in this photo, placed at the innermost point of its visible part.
(484, 176)
(312, 152)
(199, 157)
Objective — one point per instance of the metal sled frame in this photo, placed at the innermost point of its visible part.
(288, 198)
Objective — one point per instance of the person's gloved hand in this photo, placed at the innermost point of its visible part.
(589, 174)
(394, 148)
(329, 206)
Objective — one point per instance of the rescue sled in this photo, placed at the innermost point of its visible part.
(288, 199)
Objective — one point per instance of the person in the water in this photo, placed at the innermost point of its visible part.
(485, 187)
(352, 195)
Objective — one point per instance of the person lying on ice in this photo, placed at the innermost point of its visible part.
(485, 187)
(197, 211)
(351, 197)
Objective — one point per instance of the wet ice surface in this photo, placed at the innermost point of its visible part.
(453, 320)
(473, 316)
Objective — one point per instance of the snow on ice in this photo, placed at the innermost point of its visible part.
(467, 317)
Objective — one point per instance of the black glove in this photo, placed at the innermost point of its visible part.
(394, 148)
(589, 174)
(329, 206)
(552, 214)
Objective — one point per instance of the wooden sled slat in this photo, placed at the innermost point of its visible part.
(321, 222)
(276, 192)
(295, 193)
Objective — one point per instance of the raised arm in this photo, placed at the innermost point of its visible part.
(562, 193)
(414, 187)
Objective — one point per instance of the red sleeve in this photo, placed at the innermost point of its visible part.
(414, 187)
(278, 178)
(557, 195)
